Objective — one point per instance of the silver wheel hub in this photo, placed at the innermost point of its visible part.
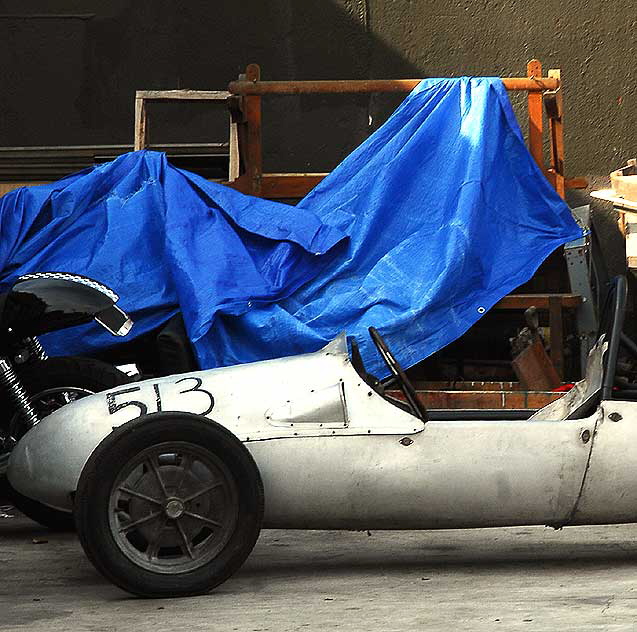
(174, 508)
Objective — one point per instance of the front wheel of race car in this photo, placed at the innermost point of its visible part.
(169, 505)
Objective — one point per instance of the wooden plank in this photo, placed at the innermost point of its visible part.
(250, 87)
(468, 385)
(141, 112)
(576, 183)
(624, 182)
(534, 368)
(610, 196)
(559, 182)
(140, 123)
(536, 111)
(183, 95)
(630, 230)
(556, 134)
(550, 176)
(241, 184)
(253, 144)
(541, 301)
(489, 400)
(557, 334)
(234, 159)
(5, 187)
(289, 185)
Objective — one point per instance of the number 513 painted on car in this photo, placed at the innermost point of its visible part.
(114, 405)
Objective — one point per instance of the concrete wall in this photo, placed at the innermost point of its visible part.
(70, 67)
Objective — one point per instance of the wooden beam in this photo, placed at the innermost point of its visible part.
(541, 301)
(140, 139)
(556, 133)
(576, 183)
(255, 87)
(5, 187)
(253, 134)
(141, 117)
(536, 111)
(280, 185)
(182, 95)
(289, 185)
(294, 185)
(234, 158)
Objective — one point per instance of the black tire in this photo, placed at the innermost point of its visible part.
(140, 452)
(87, 375)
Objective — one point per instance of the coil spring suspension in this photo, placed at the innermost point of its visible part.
(10, 380)
(36, 349)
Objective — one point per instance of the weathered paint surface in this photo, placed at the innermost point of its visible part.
(332, 452)
(610, 474)
(452, 475)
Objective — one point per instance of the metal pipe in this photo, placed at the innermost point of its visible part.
(244, 87)
(619, 292)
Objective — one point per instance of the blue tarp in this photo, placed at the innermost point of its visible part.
(164, 239)
(432, 220)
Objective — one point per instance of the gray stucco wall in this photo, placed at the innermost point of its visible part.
(70, 67)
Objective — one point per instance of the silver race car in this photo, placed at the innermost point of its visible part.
(172, 479)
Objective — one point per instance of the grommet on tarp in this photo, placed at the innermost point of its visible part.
(481, 310)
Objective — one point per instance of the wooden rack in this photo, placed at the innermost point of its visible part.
(143, 97)
(245, 107)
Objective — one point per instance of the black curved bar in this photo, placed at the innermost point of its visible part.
(403, 381)
(619, 294)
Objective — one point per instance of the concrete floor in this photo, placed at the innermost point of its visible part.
(582, 578)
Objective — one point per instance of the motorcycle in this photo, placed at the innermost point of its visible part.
(32, 385)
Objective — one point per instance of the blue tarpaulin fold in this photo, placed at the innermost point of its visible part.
(163, 239)
(423, 228)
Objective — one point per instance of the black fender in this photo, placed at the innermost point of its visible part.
(49, 301)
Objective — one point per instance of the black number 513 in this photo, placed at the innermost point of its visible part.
(114, 405)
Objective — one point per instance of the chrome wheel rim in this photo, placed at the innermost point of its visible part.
(173, 508)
